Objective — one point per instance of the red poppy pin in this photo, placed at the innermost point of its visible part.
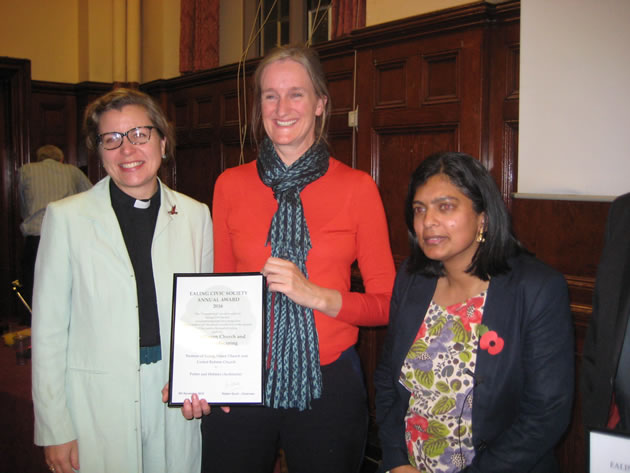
(492, 342)
(173, 210)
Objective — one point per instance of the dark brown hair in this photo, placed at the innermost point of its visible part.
(473, 180)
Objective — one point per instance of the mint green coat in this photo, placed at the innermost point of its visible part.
(85, 334)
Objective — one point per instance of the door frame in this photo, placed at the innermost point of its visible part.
(15, 100)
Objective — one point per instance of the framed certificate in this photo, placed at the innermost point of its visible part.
(217, 338)
(608, 451)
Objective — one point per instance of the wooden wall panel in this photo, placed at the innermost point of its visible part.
(340, 76)
(85, 93)
(229, 108)
(500, 150)
(398, 153)
(57, 118)
(196, 171)
(440, 82)
(231, 153)
(341, 146)
(196, 114)
(15, 111)
(567, 235)
(54, 118)
(390, 83)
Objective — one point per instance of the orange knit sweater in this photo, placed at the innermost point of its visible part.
(346, 221)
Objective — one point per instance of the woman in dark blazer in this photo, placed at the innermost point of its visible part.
(477, 368)
(605, 393)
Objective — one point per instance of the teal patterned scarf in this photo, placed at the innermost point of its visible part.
(292, 376)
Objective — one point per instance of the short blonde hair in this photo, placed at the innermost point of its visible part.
(49, 152)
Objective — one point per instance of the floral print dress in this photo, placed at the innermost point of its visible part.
(439, 373)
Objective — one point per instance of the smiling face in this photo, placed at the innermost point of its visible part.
(133, 168)
(289, 107)
(446, 223)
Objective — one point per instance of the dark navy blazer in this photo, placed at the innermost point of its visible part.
(611, 310)
(523, 397)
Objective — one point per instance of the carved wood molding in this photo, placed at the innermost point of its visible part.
(449, 20)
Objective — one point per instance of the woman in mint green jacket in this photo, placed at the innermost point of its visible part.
(102, 303)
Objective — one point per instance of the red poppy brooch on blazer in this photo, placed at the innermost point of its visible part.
(492, 342)
(173, 210)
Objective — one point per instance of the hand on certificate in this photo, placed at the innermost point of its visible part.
(193, 408)
(285, 277)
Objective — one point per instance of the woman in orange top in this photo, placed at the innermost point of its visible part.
(303, 218)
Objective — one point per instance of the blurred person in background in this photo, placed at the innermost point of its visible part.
(39, 184)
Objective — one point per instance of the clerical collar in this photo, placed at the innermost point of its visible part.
(127, 201)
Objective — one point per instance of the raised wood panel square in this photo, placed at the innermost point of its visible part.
(182, 138)
(204, 112)
(513, 71)
(506, 180)
(182, 120)
(340, 87)
(341, 147)
(53, 119)
(338, 124)
(390, 84)
(568, 235)
(441, 78)
(229, 108)
(231, 154)
(197, 169)
(202, 136)
(400, 151)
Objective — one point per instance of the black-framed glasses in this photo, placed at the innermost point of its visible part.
(136, 136)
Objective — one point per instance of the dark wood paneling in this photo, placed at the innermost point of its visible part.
(54, 118)
(567, 235)
(339, 72)
(499, 153)
(398, 151)
(15, 97)
(85, 93)
(57, 118)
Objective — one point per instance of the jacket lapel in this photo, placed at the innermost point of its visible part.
(99, 211)
(500, 295)
(418, 295)
(623, 305)
(168, 210)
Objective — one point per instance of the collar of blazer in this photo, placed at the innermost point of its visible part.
(98, 208)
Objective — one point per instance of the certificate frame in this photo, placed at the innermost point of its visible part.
(608, 451)
(217, 338)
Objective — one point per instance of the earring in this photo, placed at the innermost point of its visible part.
(480, 236)
(164, 156)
